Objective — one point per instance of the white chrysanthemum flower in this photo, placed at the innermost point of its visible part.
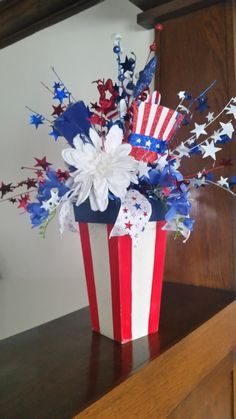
(100, 168)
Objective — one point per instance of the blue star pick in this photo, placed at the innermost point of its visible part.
(56, 86)
(61, 95)
(36, 120)
(55, 133)
(202, 104)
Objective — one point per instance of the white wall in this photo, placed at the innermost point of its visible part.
(44, 279)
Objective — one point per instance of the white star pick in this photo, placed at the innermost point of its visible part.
(181, 95)
(143, 169)
(199, 130)
(210, 116)
(162, 162)
(183, 150)
(227, 129)
(223, 182)
(231, 110)
(210, 149)
(216, 135)
(182, 108)
(191, 141)
(52, 203)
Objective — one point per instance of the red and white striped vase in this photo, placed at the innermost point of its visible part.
(124, 282)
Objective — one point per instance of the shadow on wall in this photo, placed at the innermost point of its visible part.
(114, 10)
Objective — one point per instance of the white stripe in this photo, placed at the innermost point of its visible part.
(140, 117)
(142, 273)
(101, 267)
(160, 122)
(150, 119)
(170, 125)
(156, 98)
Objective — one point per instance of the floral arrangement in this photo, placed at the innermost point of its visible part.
(120, 160)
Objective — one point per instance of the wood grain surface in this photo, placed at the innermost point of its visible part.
(212, 398)
(58, 369)
(157, 389)
(195, 50)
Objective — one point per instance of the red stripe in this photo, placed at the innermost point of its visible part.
(175, 126)
(123, 360)
(141, 154)
(120, 255)
(135, 116)
(112, 114)
(164, 125)
(158, 268)
(88, 266)
(146, 113)
(155, 121)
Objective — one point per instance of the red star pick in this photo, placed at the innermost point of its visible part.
(23, 201)
(5, 188)
(62, 176)
(128, 225)
(226, 162)
(58, 110)
(31, 183)
(39, 173)
(42, 163)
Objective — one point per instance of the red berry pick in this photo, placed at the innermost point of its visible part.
(153, 47)
(159, 27)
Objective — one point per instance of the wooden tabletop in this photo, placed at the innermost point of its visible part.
(57, 369)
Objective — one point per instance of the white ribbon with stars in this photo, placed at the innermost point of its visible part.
(134, 214)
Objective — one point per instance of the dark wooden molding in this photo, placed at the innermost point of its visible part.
(148, 4)
(159, 11)
(20, 18)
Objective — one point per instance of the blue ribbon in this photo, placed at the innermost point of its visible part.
(147, 143)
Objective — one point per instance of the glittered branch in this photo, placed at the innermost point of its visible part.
(60, 80)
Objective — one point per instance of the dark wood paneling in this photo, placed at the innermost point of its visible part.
(158, 11)
(55, 370)
(195, 50)
(20, 18)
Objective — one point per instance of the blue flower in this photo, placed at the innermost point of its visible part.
(178, 204)
(37, 214)
(44, 191)
(188, 222)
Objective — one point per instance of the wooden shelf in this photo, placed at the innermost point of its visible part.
(60, 368)
(158, 11)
